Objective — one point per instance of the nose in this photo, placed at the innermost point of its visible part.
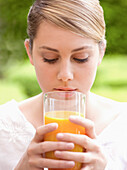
(65, 72)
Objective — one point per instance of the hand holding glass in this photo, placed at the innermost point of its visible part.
(58, 106)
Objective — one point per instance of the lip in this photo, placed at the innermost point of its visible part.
(65, 89)
(65, 93)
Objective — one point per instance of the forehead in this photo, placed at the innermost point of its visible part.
(52, 35)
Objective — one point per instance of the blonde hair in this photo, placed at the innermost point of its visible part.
(83, 17)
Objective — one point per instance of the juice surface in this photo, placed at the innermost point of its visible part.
(64, 126)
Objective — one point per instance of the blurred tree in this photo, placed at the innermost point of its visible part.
(13, 16)
(116, 22)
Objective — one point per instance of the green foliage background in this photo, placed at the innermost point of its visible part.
(115, 12)
(13, 23)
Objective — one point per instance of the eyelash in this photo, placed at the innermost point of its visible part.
(52, 61)
(81, 60)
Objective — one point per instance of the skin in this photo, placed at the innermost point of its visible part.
(65, 73)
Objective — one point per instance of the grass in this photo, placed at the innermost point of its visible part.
(111, 80)
(9, 91)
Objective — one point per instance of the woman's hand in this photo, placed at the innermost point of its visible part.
(93, 157)
(33, 159)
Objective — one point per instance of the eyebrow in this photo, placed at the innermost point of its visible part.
(82, 48)
(48, 48)
(75, 50)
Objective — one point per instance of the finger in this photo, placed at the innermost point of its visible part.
(82, 140)
(86, 123)
(75, 156)
(50, 146)
(42, 130)
(50, 163)
(86, 167)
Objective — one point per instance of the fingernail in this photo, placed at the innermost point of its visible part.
(70, 145)
(60, 135)
(57, 153)
(71, 163)
(54, 125)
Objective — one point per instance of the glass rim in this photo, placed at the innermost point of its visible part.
(51, 92)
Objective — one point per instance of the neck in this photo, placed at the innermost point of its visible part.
(90, 106)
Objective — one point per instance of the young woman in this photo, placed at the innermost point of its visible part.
(66, 44)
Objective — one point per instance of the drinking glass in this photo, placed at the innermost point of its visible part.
(58, 106)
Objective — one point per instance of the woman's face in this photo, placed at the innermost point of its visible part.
(63, 60)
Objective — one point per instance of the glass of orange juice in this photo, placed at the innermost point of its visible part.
(58, 106)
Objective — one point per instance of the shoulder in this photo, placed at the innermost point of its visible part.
(32, 109)
(8, 108)
(109, 104)
(13, 124)
(112, 109)
(31, 104)
(105, 105)
(11, 117)
(124, 106)
(105, 111)
(15, 133)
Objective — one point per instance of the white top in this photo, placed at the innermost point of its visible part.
(16, 133)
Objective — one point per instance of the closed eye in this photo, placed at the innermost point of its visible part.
(81, 60)
(50, 61)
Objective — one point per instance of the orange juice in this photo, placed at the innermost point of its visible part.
(64, 126)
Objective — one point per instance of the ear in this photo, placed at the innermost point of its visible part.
(28, 50)
(102, 48)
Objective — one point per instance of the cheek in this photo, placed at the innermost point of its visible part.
(45, 77)
(87, 76)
